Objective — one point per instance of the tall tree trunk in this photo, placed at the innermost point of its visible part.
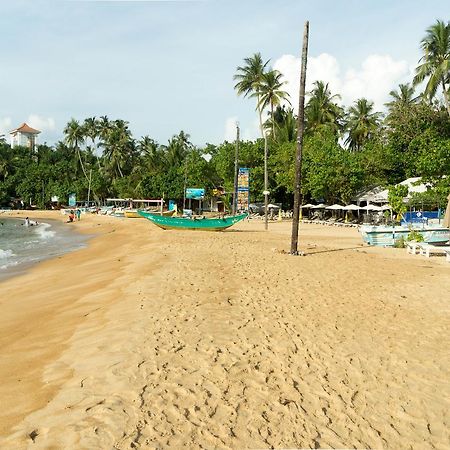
(81, 164)
(298, 156)
(266, 185)
(446, 99)
(273, 121)
(261, 128)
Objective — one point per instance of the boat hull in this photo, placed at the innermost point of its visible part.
(181, 223)
(386, 236)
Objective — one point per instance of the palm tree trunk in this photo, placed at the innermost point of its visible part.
(81, 163)
(273, 121)
(299, 152)
(446, 99)
(260, 117)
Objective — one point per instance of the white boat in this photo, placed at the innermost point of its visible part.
(383, 235)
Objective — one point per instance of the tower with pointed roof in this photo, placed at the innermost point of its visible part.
(24, 136)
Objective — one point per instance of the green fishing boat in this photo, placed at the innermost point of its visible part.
(185, 223)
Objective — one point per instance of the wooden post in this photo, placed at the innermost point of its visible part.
(236, 169)
(298, 156)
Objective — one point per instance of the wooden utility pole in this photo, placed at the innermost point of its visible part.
(299, 152)
(236, 169)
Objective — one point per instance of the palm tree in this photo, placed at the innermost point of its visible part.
(249, 81)
(150, 150)
(178, 149)
(74, 139)
(285, 124)
(403, 97)
(91, 130)
(271, 94)
(362, 123)
(435, 63)
(118, 145)
(322, 110)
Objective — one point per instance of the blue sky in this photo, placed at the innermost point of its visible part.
(167, 66)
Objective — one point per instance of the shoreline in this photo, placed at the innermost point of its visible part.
(181, 339)
(75, 240)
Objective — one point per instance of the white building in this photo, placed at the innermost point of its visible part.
(24, 136)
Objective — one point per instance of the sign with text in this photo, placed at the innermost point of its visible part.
(243, 194)
(195, 193)
(72, 200)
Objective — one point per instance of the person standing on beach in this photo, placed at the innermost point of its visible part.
(78, 213)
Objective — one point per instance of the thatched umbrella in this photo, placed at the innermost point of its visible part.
(447, 215)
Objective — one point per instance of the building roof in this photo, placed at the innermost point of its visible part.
(24, 128)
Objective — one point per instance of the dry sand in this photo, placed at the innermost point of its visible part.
(152, 338)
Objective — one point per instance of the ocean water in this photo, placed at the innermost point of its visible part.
(22, 246)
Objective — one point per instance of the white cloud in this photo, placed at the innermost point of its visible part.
(41, 123)
(5, 125)
(230, 129)
(377, 75)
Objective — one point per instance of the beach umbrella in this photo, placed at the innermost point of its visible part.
(319, 206)
(308, 205)
(446, 222)
(351, 208)
(335, 207)
(373, 208)
(386, 207)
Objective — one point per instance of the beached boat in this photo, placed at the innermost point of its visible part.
(185, 223)
(144, 214)
(385, 236)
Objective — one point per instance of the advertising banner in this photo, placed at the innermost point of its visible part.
(243, 195)
(195, 193)
(72, 200)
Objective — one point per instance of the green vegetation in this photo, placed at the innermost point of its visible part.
(345, 149)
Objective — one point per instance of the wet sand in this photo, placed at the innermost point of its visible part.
(152, 338)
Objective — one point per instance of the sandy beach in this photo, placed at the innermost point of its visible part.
(150, 339)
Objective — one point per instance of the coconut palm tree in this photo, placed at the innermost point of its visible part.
(91, 130)
(118, 147)
(362, 123)
(249, 79)
(435, 63)
(271, 93)
(322, 109)
(151, 153)
(403, 97)
(74, 138)
(177, 149)
(285, 124)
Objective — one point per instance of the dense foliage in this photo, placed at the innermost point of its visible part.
(345, 149)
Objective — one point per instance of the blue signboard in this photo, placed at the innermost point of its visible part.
(195, 193)
(72, 200)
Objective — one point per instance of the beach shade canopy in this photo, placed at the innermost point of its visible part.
(335, 207)
(308, 205)
(386, 207)
(319, 206)
(373, 208)
(447, 214)
(351, 208)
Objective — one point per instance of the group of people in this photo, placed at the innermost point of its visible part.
(30, 223)
(73, 214)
